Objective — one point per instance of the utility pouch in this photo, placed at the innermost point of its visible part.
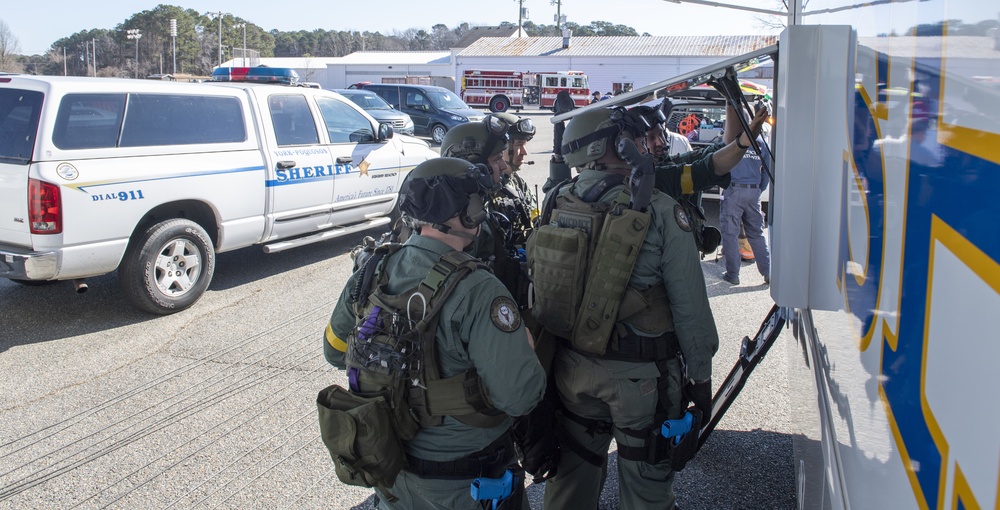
(557, 261)
(617, 249)
(684, 449)
(359, 434)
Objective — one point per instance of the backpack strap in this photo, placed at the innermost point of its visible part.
(462, 396)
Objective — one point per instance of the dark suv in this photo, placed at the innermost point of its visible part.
(434, 110)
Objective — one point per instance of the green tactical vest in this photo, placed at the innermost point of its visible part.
(392, 351)
(580, 261)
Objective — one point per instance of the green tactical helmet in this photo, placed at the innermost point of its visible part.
(441, 188)
(520, 128)
(475, 141)
(586, 136)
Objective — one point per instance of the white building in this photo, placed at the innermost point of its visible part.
(610, 62)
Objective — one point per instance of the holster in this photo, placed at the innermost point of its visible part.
(687, 448)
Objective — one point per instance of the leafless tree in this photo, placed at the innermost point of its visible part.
(9, 50)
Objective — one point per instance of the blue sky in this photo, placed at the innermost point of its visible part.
(37, 27)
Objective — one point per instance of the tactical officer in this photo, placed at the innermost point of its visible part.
(501, 244)
(636, 381)
(479, 332)
(515, 200)
(486, 143)
(699, 169)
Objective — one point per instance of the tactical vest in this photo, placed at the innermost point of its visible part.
(580, 261)
(392, 351)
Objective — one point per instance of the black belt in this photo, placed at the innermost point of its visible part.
(638, 348)
(484, 462)
(738, 185)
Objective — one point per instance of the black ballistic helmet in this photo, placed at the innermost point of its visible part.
(441, 188)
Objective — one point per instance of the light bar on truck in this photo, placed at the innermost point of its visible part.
(279, 75)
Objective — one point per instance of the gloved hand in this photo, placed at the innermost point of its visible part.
(535, 441)
(700, 394)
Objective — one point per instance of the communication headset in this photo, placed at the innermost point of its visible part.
(632, 124)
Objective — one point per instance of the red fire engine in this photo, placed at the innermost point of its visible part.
(575, 82)
(497, 90)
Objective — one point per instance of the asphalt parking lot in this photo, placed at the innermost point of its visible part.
(102, 406)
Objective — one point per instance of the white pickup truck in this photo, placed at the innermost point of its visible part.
(154, 178)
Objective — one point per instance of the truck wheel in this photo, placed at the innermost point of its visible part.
(437, 133)
(499, 104)
(168, 268)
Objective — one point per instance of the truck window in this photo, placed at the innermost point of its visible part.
(168, 119)
(18, 124)
(343, 123)
(89, 121)
(292, 120)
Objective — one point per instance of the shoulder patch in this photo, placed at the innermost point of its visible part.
(504, 314)
(683, 220)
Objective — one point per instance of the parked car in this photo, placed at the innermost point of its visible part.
(434, 110)
(378, 108)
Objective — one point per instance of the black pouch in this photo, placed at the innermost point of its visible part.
(359, 434)
(687, 448)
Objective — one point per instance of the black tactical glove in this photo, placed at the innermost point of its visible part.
(534, 438)
(700, 394)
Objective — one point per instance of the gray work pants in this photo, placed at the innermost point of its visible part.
(741, 207)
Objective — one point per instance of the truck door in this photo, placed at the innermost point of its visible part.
(366, 171)
(300, 181)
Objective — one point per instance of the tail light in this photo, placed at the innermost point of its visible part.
(44, 207)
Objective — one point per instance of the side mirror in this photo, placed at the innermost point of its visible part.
(384, 131)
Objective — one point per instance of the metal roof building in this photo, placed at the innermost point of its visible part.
(610, 62)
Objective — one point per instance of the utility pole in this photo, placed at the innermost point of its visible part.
(559, 17)
(134, 33)
(64, 61)
(520, 17)
(93, 42)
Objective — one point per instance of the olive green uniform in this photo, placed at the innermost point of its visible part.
(625, 393)
(472, 333)
(670, 172)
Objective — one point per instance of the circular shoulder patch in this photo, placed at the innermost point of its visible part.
(504, 314)
(683, 220)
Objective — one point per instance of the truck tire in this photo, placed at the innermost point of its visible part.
(169, 267)
(437, 133)
(499, 104)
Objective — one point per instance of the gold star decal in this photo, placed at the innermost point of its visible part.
(363, 167)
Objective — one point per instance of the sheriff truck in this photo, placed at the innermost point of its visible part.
(152, 179)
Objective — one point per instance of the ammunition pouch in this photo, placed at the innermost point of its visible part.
(361, 439)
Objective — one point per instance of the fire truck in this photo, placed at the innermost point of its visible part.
(497, 90)
(574, 82)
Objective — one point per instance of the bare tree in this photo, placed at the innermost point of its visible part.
(9, 50)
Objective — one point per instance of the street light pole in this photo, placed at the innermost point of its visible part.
(220, 14)
(173, 37)
(244, 27)
(134, 33)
